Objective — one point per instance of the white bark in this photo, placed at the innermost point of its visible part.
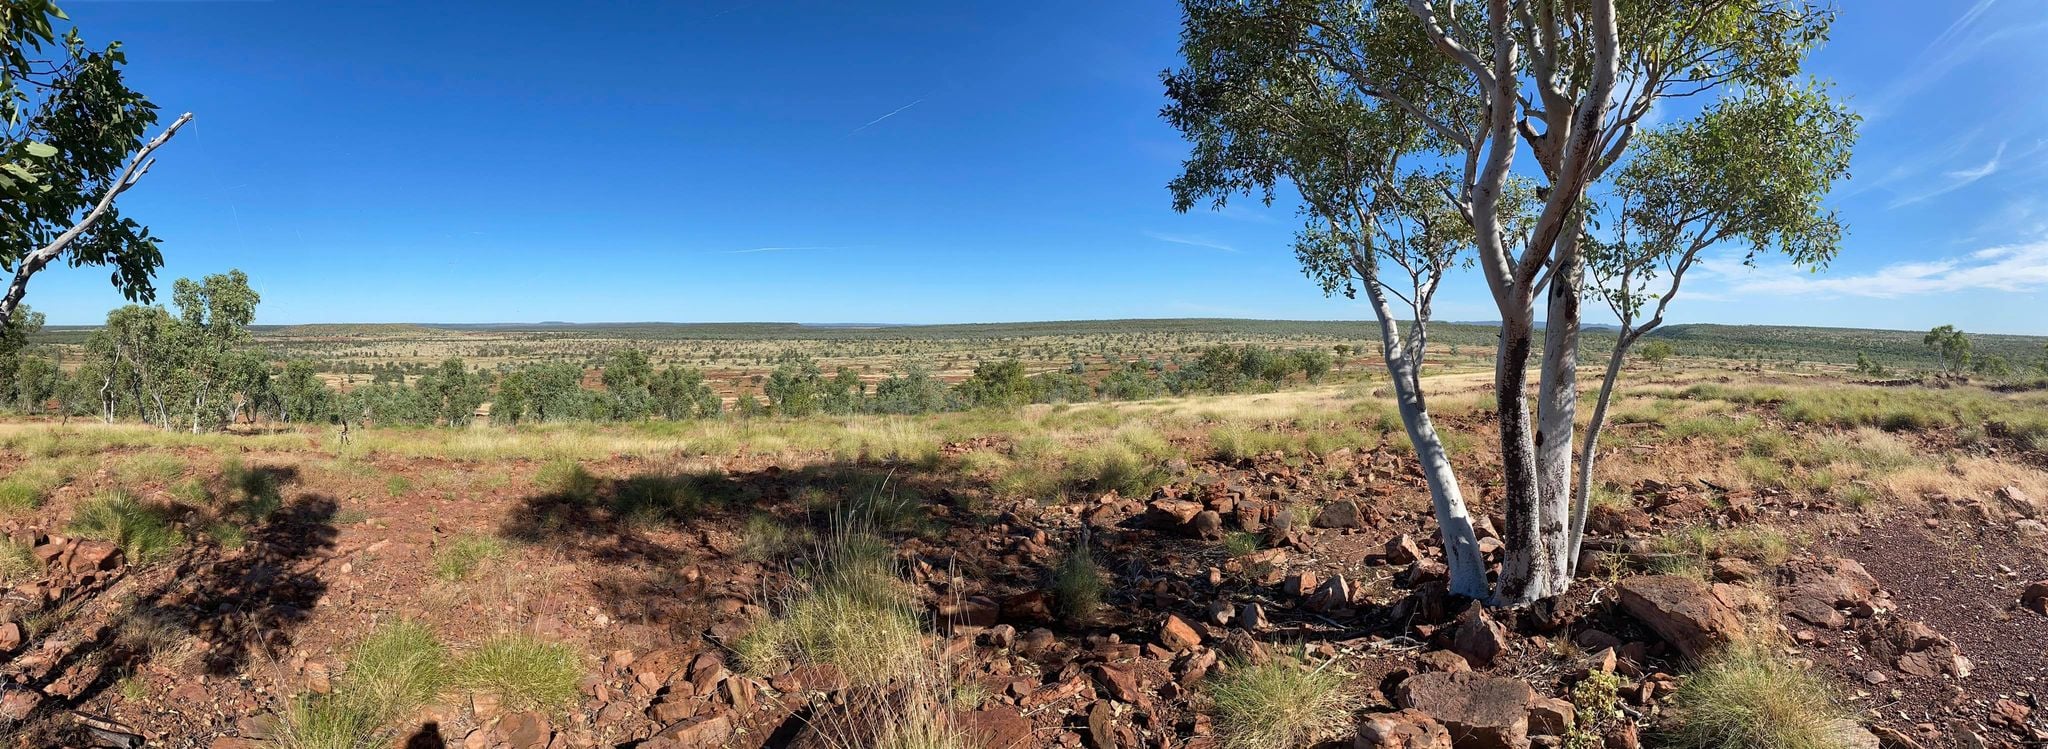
(1454, 522)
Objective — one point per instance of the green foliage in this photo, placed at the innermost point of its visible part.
(1077, 586)
(911, 390)
(143, 531)
(999, 384)
(72, 122)
(525, 673)
(1655, 352)
(1952, 344)
(796, 387)
(1279, 704)
(1748, 697)
(150, 468)
(1597, 700)
(1868, 366)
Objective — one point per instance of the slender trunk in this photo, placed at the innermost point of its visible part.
(1454, 521)
(1521, 501)
(1582, 506)
(1557, 402)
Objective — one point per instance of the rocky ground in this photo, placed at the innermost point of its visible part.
(1932, 620)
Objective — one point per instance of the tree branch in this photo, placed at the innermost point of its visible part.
(138, 165)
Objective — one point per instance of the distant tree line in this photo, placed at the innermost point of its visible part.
(192, 367)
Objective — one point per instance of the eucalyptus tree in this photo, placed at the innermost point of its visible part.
(1952, 344)
(1751, 170)
(1344, 92)
(213, 324)
(71, 141)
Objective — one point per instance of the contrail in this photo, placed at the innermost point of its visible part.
(897, 111)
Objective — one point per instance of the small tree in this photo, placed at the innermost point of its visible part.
(1952, 345)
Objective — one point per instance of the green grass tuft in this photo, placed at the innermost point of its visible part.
(142, 531)
(394, 671)
(1077, 586)
(1279, 704)
(1750, 698)
(524, 672)
(456, 560)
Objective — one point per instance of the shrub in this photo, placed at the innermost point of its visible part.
(1279, 704)
(1749, 698)
(525, 673)
(143, 532)
(458, 559)
(1077, 586)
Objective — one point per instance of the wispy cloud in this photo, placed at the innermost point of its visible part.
(1957, 44)
(892, 113)
(1191, 240)
(2006, 268)
(1954, 179)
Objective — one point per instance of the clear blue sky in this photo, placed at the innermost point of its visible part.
(908, 162)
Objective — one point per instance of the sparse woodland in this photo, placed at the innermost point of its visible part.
(1399, 533)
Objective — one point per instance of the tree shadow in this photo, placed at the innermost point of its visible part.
(239, 603)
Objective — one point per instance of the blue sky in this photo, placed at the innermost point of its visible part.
(728, 160)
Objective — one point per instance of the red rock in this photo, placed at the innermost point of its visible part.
(17, 704)
(11, 637)
(1119, 682)
(1343, 513)
(1478, 637)
(1443, 660)
(1252, 616)
(998, 727)
(1407, 729)
(672, 709)
(1177, 634)
(1550, 716)
(1683, 611)
(94, 556)
(528, 730)
(1480, 712)
(1335, 593)
(1299, 584)
(703, 733)
(1102, 726)
(1402, 549)
(2035, 598)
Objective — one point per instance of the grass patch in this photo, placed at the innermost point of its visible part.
(764, 538)
(456, 560)
(150, 468)
(143, 531)
(394, 671)
(524, 672)
(1279, 704)
(1077, 586)
(1690, 552)
(17, 562)
(1749, 698)
(568, 479)
(855, 614)
(28, 486)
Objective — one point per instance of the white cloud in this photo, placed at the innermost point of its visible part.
(1955, 179)
(2005, 268)
(1191, 240)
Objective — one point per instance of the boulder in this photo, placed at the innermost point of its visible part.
(1406, 729)
(1479, 712)
(996, 727)
(1838, 582)
(1683, 611)
(1916, 649)
(705, 733)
